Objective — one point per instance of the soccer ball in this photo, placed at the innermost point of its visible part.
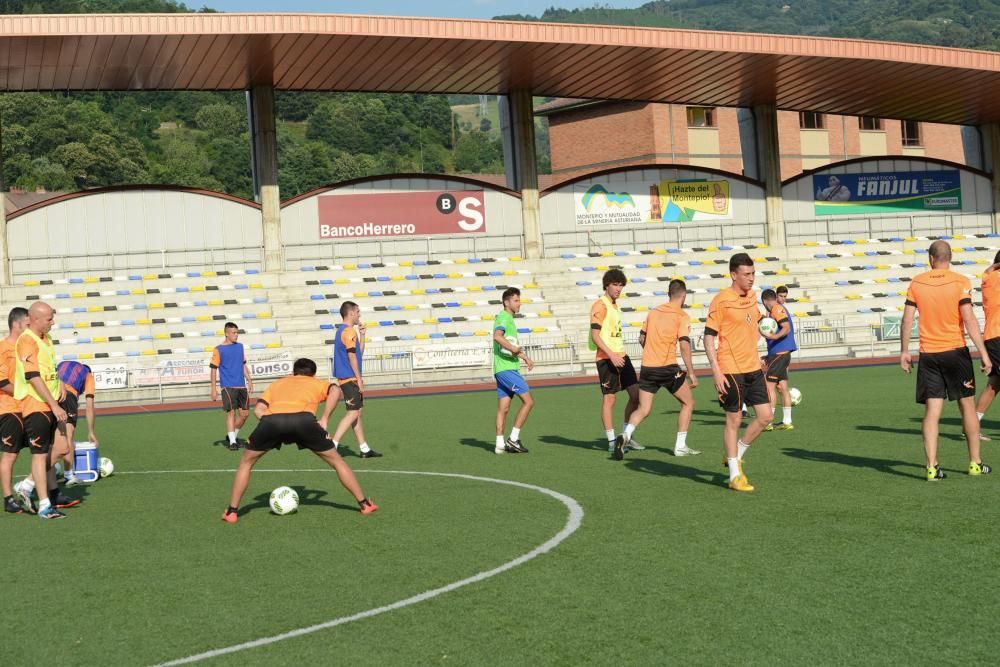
(504, 351)
(284, 500)
(767, 326)
(795, 395)
(105, 468)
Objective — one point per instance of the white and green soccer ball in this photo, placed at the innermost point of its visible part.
(284, 500)
(767, 326)
(795, 395)
(507, 353)
(105, 467)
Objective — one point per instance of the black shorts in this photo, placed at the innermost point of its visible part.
(71, 404)
(652, 378)
(353, 398)
(614, 380)
(39, 431)
(300, 428)
(11, 434)
(743, 388)
(993, 350)
(945, 375)
(777, 366)
(235, 398)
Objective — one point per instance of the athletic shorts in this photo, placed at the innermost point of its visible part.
(353, 398)
(743, 388)
(993, 350)
(71, 404)
(777, 366)
(510, 383)
(39, 431)
(11, 434)
(652, 378)
(613, 379)
(300, 428)
(945, 375)
(235, 398)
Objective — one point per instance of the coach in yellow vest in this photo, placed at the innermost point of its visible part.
(37, 386)
(614, 369)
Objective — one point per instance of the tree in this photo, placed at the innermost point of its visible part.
(221, 120)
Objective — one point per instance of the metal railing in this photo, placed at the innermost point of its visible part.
(879, 226)
(679, 235)
(327, 253)
(169, 261)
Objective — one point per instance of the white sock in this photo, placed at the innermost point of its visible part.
(682, 437)
(336, 445)
(232, 436)
(515, 433)
(734, 468)
(500, 442)
(786, 415)
(628, 431)
(979, 416)
(44, 505)
(611, 436)
(27, 485)
(364, 446)
(744, 407)
(741, 448)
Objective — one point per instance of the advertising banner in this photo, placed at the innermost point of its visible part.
(397, 214)
(270, 365)
(888, 192)
(451, 356)
(659, 201)
(173, 371)
(110, 376)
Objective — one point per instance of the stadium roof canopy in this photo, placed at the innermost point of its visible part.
(366, 53)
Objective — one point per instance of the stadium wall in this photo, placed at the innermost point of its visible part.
(139, 228)
(399, 217)
(808, 218)
(652, 207)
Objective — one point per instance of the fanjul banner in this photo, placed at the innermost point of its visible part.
(888, 192)
(389, 215)
(659, 201)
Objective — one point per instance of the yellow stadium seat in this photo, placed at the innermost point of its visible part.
(406, 263)
(87, 355)
(216, 302)
(81, 325)
(204, 318)
(350, 267)
(31, 283)
(149, 353)
(422, 336)
(454, 275)
(99, 339)
(149, 276)
(198, 288)
(514, 259)
(272, 346)
(263, 316)
(462, 260)
(161, 336)
(482, 333)
(410, 306)
(91, 279)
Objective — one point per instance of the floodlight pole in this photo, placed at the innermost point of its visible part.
(517, 123)
(769, 168)
(264, 154)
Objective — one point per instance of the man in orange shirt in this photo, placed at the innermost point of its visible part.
(944, 300)
(666, 327)
(614, 369)
(731, 337)
(287, 414)
(11, 428)
(991, 336)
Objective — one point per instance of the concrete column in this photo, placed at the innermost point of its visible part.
(520, 164)
(769, 162)
(264, 156)
(991, 163)
(4, 255)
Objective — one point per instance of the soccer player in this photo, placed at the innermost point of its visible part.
(36, 386)
(229, 369)
(614, 369)
(11, 429)
(347, 356)
(287, 414)
(780, 346)
(731, 346)
(944, 371)
(667, 327)
(507, 355)
(991, 335)
(78, 379)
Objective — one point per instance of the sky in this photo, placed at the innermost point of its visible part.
(470, 9)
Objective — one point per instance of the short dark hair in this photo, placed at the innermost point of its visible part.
(347, 307)
(768, 295)
(614, 277)
(783, 289)
(676, 287)
(509, 292)
(738, 260)
(230, 325)
(16, 315)
(304, 366)
(996, 260)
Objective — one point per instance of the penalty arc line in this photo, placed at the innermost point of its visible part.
(573, 521)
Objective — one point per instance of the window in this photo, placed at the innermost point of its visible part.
(701, 116)
(911, 133)
(869, 123)
(810, 121)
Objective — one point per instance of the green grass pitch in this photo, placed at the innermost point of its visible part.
(842, 555)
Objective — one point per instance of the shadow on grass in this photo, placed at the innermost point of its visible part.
(887, 466)
(669, 469)
(597, 444)
(907, 431)
(476, 442)
(313, 497)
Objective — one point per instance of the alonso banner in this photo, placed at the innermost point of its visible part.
(401, 214)
(887, 192)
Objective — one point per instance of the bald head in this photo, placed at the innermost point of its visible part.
(40, 317)
(940, 254)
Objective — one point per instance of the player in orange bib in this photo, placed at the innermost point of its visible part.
(11, 427)
(991, 337)
(944, 371)
(731, 337)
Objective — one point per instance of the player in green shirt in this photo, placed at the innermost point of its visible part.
(507, 355)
